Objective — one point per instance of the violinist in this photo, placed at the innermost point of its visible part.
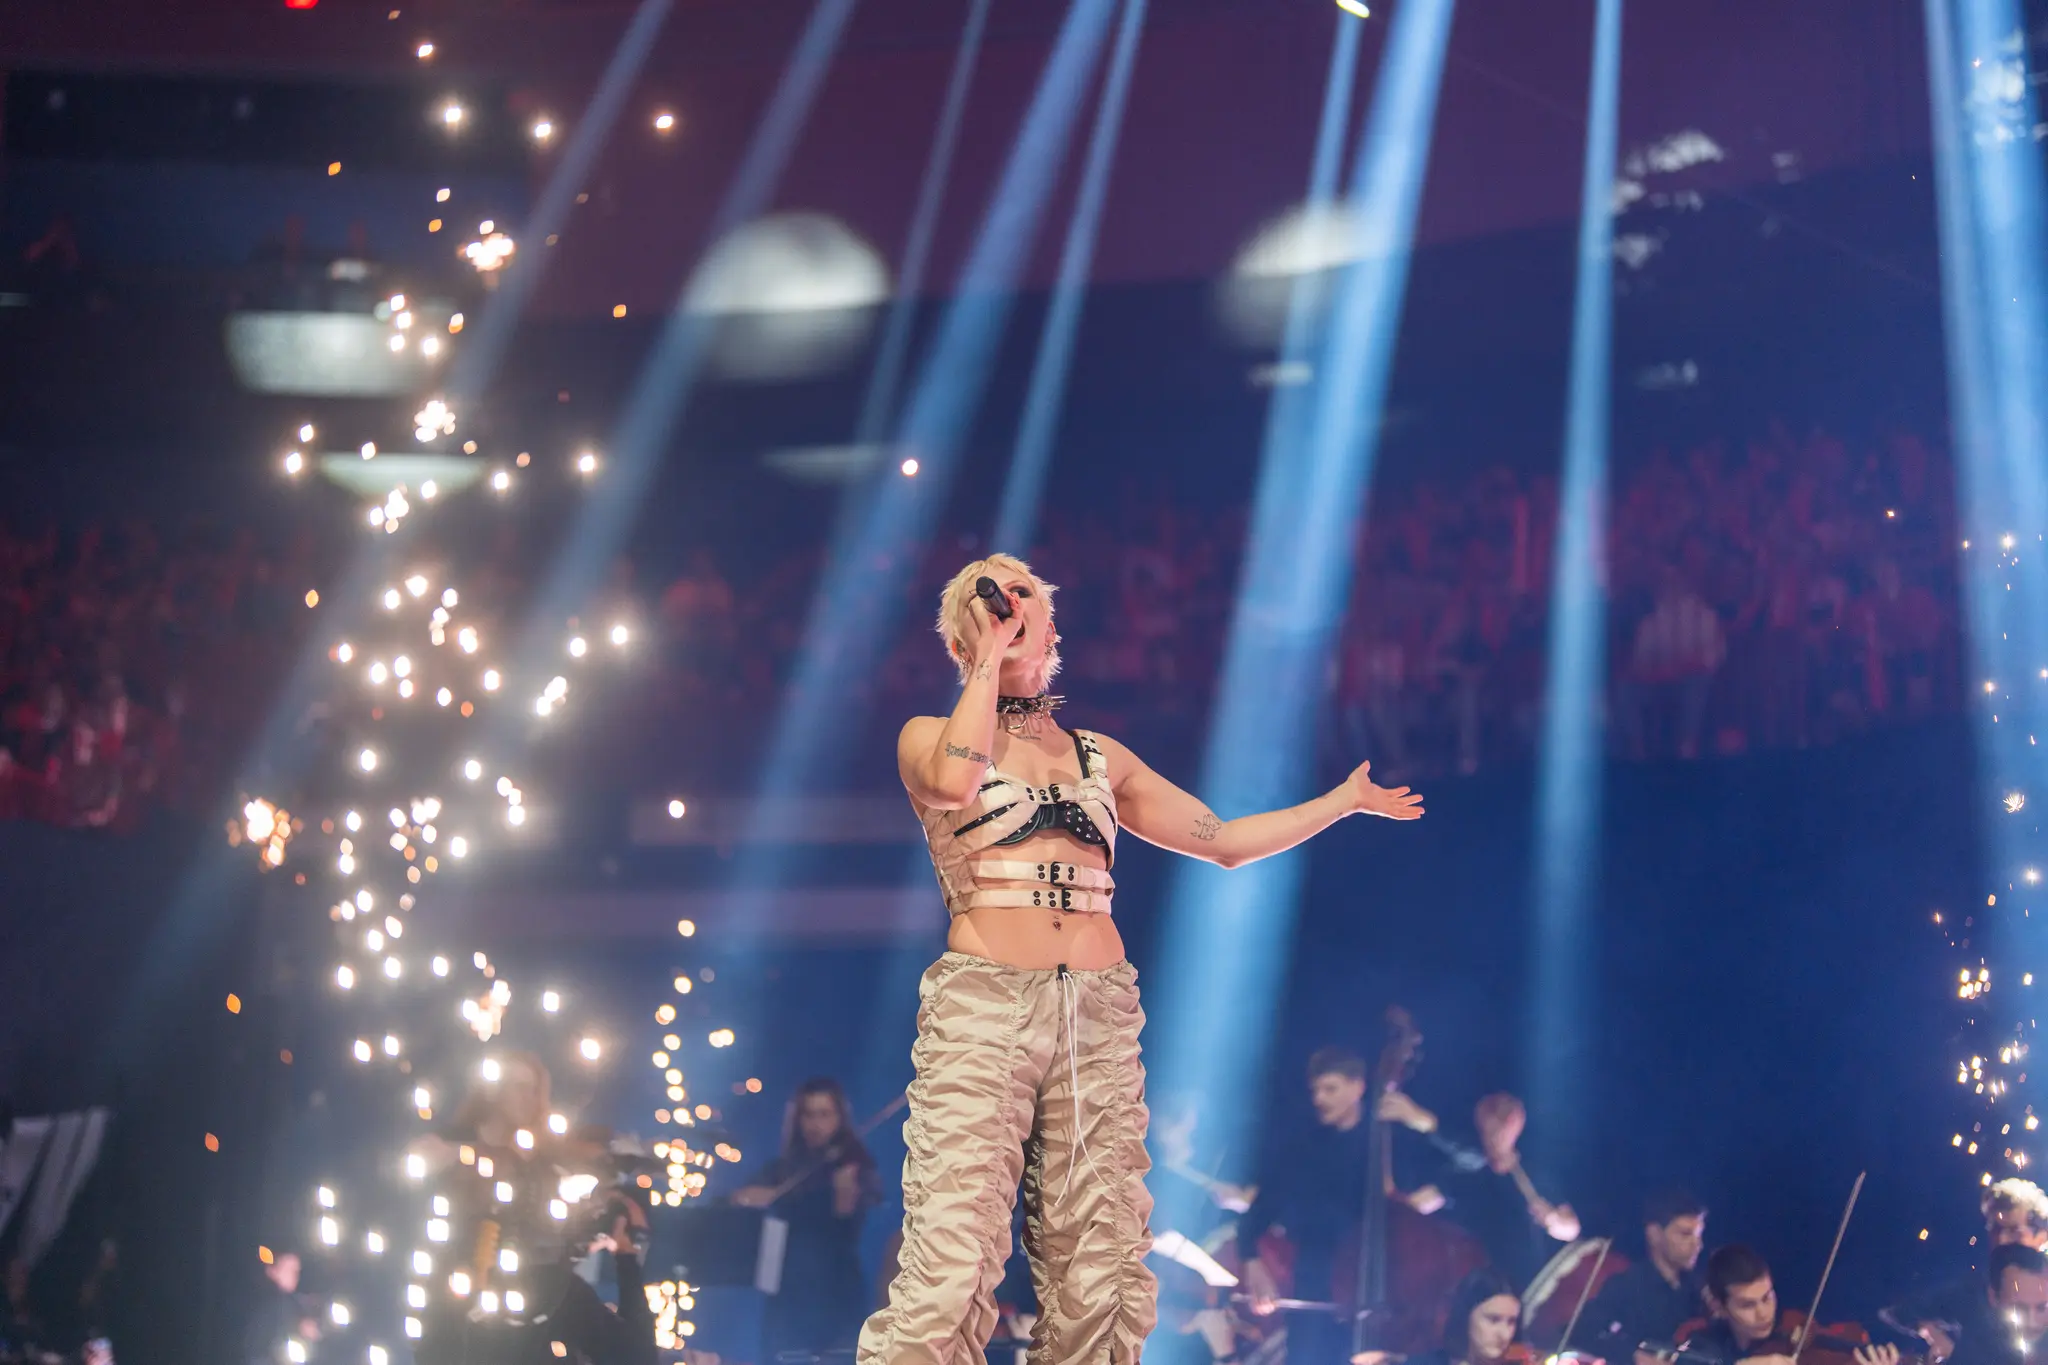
(1480, 1329)
(2015, 1214)
(822, 1184)
(1748, 1327)
(1653, 1297)
(510, 1293)
(2005, 1324)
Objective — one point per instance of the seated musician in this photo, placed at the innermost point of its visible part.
(1651, 1299)
(2008, 1317)
(2015, 1214)
(1486, 1190)
(1480, 1329)
(1314, 1194)
(498, 1164)
(1748, 1327)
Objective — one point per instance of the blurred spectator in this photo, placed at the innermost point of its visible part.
(1678, 650)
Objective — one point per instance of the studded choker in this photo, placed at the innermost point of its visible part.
(1044, 704)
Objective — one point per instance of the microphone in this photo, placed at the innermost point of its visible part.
(994, 598)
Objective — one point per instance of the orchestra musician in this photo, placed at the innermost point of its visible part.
(280, 1313)
(1482, 1326)
(501, 1137)
(822, 1185)
(1027, 1054)
(1313, 1194)
(2015, 1214)
(1651, 1299)
(2003, 1321)
(1748, 1327)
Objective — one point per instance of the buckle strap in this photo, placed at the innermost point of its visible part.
(1051, 873)
(1072, 899)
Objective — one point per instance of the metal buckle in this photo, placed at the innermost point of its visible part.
(1066, 896)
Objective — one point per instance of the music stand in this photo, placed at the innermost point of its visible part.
(727, 1246)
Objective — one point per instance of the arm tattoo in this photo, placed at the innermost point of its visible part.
(962, 751)
(1206, 827)
(981, 672)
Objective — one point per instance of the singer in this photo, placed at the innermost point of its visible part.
(1027, 1065)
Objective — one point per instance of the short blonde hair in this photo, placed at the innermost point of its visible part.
(2014, 1193)
(957, 597)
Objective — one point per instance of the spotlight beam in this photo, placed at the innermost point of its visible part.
(477, 362)
(843, 631)
(878, 405)
(1024, 485)
(1569, 777)
(1993, 217)
(669, 375)
(1229, 934)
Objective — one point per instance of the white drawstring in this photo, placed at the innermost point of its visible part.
(1070, 1000)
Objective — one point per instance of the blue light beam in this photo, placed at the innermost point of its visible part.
(1024, 485)
(1990, 192)
(669, 376)
(878, 404)
(477, 362)
(1229, 935)
(1569, 780)
(845, 631)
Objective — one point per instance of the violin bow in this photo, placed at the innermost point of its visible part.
(1585, 1293)
(861, 1131)
(1841, 1230)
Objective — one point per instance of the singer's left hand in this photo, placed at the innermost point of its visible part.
(1370, 798)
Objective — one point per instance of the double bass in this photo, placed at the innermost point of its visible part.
(1407, 1263)
(1394, 1276)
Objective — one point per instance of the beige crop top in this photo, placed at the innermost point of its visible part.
(968, 845)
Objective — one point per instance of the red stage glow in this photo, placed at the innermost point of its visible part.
(300, 4)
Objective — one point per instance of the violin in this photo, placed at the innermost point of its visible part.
(1828, 1344)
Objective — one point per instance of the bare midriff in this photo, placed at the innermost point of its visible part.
(1036, 939)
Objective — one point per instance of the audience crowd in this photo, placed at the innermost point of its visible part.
(132, 668)
(1787, 594)
(1790, 593)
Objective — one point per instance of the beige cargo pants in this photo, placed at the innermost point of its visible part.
(1002, 1055)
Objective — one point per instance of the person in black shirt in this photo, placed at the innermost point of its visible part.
(1484, 1319)
(1651, 1299)
(2004, 1322)
(2015, 1214)
(1315, 1194)
(278, 1313)
(1748, 1327)
(822, 1185)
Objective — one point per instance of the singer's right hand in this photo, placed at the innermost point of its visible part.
(988, 637)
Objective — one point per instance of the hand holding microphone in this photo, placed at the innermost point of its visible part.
(998, 624)
(994, 598)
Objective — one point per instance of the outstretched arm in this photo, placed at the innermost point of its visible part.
(1160, 813)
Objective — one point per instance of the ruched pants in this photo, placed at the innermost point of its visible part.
(1031, 1078)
